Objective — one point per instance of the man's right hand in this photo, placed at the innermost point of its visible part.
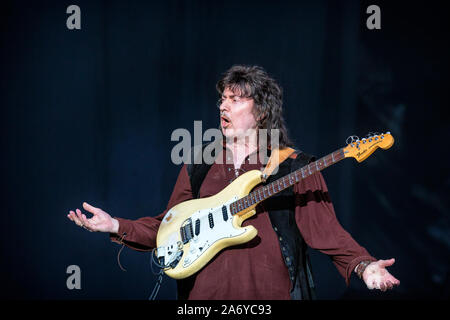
(101, 221)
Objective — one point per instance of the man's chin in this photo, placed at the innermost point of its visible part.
(227, 132)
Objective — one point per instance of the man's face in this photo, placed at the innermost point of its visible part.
(236, 114)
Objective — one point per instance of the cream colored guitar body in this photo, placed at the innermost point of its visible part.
(193, 232)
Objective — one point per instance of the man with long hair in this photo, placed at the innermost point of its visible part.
(275, 263)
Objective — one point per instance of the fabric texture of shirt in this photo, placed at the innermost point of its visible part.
(256, 269)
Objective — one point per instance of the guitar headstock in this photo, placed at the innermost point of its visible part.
(361, 149)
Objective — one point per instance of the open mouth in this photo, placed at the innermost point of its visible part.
(225, 121)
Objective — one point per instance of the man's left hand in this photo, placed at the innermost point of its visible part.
(377, 277)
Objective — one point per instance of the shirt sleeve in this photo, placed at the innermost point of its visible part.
(141, 234)
(318, 224)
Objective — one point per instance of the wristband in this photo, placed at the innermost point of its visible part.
(361, 267)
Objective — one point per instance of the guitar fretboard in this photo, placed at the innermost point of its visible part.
(285, 182)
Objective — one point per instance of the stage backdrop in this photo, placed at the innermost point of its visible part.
(87, 115)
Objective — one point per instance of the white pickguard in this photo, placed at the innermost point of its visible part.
(208, 236)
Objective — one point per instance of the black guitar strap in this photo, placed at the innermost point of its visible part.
(201, 168)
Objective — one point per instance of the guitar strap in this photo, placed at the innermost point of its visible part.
(201, 168)
(277, 156)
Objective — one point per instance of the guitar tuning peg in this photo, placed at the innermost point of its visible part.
(351, 139)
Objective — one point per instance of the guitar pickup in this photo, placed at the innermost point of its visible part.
(186, 232)
(197, 227)
(225, 213)
(211, 220)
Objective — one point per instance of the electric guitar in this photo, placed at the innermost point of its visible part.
(193, 232)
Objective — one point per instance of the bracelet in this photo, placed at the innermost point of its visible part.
(361, 267)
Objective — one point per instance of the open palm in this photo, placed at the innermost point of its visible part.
(100, 221)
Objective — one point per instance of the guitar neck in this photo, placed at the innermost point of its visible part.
(285, 182)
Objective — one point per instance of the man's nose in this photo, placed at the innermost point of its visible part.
(224, 106)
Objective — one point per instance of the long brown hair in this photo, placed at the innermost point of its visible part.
(254, 82)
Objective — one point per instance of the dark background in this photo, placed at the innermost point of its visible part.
(87, 115)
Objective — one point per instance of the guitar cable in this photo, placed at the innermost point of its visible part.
(157, 286)
(152, 260)
(159, 274)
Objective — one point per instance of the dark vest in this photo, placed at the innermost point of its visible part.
(282, 216)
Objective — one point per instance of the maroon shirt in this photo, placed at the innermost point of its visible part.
(255, 270)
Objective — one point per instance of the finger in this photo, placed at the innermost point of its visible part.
(389, 284)
(386, 263)
(393, 280)
(85, 220)
(75, 218)
(71, 215)
(382, 287)
(90, 208)
(88, 225)
(80, 215)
